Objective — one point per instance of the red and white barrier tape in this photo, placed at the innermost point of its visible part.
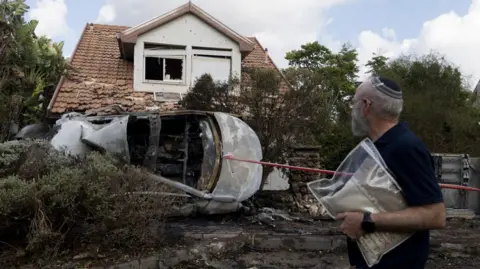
(330, 172)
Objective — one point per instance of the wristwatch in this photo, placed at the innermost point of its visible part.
(368, 226)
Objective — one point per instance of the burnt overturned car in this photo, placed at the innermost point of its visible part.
(183, 149)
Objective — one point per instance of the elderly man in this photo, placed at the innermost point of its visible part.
(377, 105)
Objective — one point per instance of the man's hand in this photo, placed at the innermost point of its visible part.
(352, 224)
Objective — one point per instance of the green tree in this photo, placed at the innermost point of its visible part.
(438, 105)
(210, 95)
(329, 77)
(31, 67)
(277, 113)
(375, 64)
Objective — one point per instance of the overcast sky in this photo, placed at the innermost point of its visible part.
(388, 27)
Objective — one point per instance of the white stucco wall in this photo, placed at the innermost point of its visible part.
(188, 31)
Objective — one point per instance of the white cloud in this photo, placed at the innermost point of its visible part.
(52, 17)
(280, 25)
(106, 14)
(389, 33)
(455, 36)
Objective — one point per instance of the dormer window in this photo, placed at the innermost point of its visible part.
(164, 64)
(169, 58)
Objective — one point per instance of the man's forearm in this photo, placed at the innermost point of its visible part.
(411, 219)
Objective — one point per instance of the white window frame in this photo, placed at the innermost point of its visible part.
(166, 54)
(212, 52)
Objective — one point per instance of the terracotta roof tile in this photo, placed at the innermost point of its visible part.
(257, 58)
(103, 79)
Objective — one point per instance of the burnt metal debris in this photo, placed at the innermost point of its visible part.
(182, 149)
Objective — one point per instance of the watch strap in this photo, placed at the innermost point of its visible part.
(367, 217)
(368, 226)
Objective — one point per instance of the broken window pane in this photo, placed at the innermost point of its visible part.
(173, 69)
(153, 68)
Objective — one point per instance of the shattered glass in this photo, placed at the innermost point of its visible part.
(363, 183)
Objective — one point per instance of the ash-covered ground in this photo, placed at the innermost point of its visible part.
(237, 242)
(306, 245)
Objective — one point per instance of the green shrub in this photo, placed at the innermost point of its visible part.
(50, 201)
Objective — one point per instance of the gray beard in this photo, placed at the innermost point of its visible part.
(359, 125)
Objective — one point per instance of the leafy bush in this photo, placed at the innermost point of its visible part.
(49, 200)
(30, 68)
(438, 103)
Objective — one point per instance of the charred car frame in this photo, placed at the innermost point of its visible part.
(183, 149)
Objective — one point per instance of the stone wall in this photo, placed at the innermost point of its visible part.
(304, 200)
(298, 198)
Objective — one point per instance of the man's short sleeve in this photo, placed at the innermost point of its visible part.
(414, 171)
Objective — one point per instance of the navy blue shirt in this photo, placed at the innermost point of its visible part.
(412, 166)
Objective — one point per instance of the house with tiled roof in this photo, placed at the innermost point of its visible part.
(152, 65)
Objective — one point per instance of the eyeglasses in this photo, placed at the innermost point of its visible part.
(354, 102)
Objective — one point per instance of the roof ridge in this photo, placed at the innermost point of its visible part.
(216, 20)
(272, 62)
(130, 35)
(151, 20)
(108, 25)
